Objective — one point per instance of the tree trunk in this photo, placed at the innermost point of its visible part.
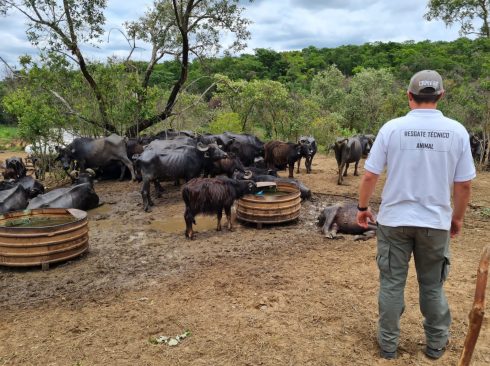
(478, 310)
(183, 23)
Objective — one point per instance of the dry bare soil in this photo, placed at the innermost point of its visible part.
(282, 295)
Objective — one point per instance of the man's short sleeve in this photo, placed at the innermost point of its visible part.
(376, 160)
(465, 168)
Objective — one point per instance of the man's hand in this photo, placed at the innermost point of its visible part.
(456, 226)
(364, 218)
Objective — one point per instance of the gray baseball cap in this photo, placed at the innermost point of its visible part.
(426, 82)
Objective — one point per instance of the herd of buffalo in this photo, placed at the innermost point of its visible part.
(217, 170)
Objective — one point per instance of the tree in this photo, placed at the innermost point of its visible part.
(181, 28)
(367, 103)
(62, 26)
(177, 28)
(463, 12)
(328, 89)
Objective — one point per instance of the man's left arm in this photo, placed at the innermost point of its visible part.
(461, 198)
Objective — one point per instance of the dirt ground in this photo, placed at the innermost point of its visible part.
(282, 295)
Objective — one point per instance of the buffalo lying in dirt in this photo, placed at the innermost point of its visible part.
(342, 218)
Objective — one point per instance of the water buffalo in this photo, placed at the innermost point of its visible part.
(211, 196)
(245, 146)
(342, 218)
(347, 150)
(227, 166)
(95, 153)
(14, 168)
(280, 155)
(13, 199)
(80, 195)
(31, 185)
(309, 152)
(367, 142)
(185, 162)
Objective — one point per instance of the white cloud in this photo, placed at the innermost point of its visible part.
(285, 25)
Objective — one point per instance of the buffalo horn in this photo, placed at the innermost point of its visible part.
(74, 174)
(202, 147)
(90, 172)
(248, 174)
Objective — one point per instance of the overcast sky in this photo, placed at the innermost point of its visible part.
(277, 24)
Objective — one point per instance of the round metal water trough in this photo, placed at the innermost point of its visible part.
(42, 236)
(264, 209)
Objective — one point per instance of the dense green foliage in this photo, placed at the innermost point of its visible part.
(278, 95)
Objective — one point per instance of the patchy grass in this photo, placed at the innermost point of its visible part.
(485, 212)
(10, 139)
(9, 132)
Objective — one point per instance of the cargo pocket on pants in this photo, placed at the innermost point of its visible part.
(383, 258)
(446, 264)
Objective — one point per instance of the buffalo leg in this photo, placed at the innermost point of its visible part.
(219, 215)
(145, 194)
(158, 188)
(355, 168)
(346, 167)
(189, 220)
(341, 167)
(299, 163)
(326, 220)
(128, 165)
(228, 218)
(291, 170)
(308, 164)
(123, 170)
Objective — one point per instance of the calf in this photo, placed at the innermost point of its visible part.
(280, 155)
(309, 152)
(210, 196)
(347, 150)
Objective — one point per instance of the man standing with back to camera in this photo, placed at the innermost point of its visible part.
(425, 155)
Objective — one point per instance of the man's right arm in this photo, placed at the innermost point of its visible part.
(461, 198)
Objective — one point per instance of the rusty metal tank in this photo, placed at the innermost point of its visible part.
(283, 204)
(42, 236)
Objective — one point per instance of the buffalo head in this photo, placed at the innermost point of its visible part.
(65, 156)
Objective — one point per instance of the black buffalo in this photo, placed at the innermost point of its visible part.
(245, 146)
(14, 168)
(13, 199)
(183, 162)
(95, 153)
(279, 155)
(308, 152)
(80, 195)
(227, 166)
(347, 150)
(32, 186)
(367, 142)
(342, 218)
(211, 196)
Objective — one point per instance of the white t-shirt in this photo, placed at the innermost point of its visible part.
(424, 153)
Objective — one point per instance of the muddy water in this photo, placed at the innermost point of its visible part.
(39, 221)
(101, 210)
(176, 224)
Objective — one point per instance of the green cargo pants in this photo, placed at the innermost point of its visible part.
(430, 248)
